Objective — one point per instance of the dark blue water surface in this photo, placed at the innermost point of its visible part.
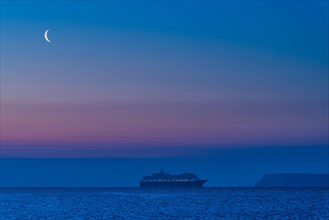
(136, 203)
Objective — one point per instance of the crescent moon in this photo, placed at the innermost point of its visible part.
(46, 36)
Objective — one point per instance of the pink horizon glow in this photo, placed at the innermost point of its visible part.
(186, 123)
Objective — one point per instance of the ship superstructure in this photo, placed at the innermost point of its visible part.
(163, 179)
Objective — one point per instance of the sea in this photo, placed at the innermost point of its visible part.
(138, 203)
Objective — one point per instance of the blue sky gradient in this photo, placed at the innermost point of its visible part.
(164, 79)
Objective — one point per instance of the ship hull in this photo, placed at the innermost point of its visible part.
(197, 183)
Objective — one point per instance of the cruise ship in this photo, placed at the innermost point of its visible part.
(163, 179)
